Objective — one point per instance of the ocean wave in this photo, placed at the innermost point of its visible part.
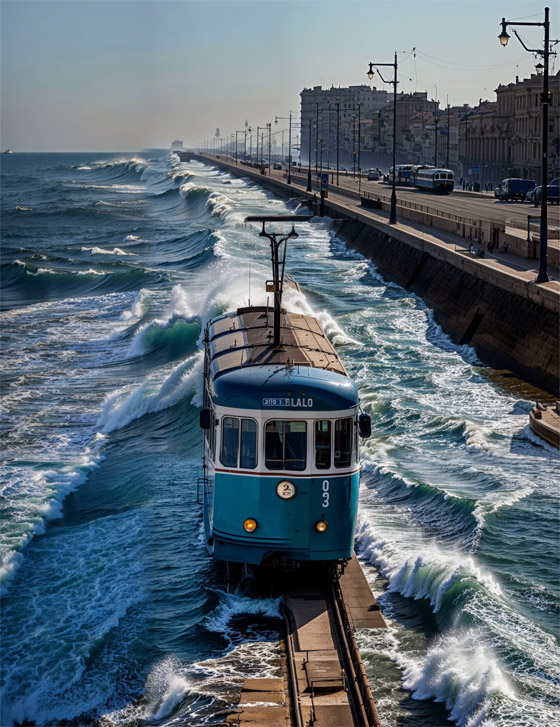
(444, 578)
(219, 204)
(446, 514)
(23, 282)
(98, 566)
(174, 336)
(463, 674)
(55, 484)
(124, 406)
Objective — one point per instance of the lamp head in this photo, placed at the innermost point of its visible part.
(504, 37)
(539, 68)
(370, 73)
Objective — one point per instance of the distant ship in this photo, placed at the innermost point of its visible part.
(8, 151)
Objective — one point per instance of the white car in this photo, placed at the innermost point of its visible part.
(373, 175)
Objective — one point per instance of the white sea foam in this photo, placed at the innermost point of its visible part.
(235, 604)
(101, 251)
(461, 673)
(138, 307)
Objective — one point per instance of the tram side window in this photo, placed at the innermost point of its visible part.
(285, 445)
(230, 441)
(248, 444)
(342, 442)
(322, 444)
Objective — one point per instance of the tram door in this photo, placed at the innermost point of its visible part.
(331, 498)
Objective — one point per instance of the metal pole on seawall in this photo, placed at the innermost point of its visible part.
(309, 161)
(337, 134)
(393, 213)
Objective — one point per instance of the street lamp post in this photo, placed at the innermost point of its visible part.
(436, 122)
(545, 99)
(447, 156)
(359, 146)
(393, 212)
(353, 146)
(337, 136)
(309, 161)
(316, 136)
(269, 126)
(289, 144)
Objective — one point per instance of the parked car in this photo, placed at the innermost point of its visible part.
(515, 188)
(373, 175)
(552, 193)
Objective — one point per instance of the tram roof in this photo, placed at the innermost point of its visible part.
(244, 339)
(300, 390)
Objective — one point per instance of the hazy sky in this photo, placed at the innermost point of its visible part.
(118, 75)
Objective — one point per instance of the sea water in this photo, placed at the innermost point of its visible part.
(113, 614)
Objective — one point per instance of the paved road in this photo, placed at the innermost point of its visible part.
(482, 206)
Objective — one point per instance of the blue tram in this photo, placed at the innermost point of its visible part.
(281, 423)
(440, 181)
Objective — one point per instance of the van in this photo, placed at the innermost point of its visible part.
(515, 189)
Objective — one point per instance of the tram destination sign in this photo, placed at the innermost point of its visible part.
(296, 403)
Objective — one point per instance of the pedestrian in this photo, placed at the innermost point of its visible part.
(505, 246)
(471, 248)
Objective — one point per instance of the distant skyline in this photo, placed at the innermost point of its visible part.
(124, 75)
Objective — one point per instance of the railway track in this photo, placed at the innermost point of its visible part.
(324, 681)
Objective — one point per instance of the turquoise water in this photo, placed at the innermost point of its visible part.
(112, 612)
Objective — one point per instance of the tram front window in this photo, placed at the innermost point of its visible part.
(342, 442)
(322, 444)
(230, 441)
(285, 445)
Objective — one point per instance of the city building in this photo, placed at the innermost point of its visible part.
(521, 110)
(503, 138)
(321, 111)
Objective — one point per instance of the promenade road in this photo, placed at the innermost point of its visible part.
(474, 205)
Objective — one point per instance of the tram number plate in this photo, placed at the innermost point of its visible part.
(325, 493)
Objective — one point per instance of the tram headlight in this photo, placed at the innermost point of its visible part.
(321, 526)
(250, 525)
(286, 490)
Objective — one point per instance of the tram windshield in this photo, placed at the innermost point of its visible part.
(285, 445)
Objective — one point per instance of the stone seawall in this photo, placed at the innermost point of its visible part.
(506, 330)
(510, 324)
